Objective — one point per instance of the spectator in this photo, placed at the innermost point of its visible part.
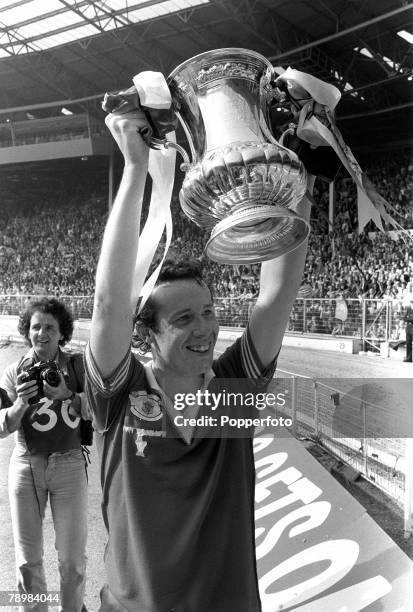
(373, 265)
(47, 461)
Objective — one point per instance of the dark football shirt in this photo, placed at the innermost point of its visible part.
(180, 517)
(47, 426)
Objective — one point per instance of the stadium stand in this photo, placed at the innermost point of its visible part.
(370, 265)
(355, 287)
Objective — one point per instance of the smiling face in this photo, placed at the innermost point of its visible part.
(44, 335)
(186, 328)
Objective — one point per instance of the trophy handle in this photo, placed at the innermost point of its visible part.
(162, 143)
(269, 91)
(289, 130)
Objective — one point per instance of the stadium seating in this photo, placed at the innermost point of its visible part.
(52, 246)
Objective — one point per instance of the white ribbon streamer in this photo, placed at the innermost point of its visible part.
(366, 209)
(154, 93)
(371, 205)
(321, 92)
(162, 171)
(152, 89)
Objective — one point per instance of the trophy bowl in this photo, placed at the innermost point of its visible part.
(241, 184)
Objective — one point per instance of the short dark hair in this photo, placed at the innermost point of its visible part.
(173, 269)
(47, 305)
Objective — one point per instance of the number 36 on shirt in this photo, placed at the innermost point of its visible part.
(46, 425)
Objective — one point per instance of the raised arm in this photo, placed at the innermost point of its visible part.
(113, 309)
(280, 280)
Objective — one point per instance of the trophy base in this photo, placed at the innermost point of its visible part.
(256, 233)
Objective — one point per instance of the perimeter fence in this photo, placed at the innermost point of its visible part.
(334, 414)
(373, 321)
(331, 412)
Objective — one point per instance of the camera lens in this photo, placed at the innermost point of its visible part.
(51, 377)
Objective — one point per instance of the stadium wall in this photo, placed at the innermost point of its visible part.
(8, 331)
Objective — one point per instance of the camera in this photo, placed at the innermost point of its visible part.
(41, 371)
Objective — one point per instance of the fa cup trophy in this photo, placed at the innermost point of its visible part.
(240, 183)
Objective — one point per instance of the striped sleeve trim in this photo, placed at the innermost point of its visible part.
(107, 386)
(250, 360)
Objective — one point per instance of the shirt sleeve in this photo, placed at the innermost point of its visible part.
(107, 396)
(241, 360)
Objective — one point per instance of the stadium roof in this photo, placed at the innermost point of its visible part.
(33, 25)
(67, 53)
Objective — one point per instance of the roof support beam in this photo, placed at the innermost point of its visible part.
(344, 32)
(381, 111)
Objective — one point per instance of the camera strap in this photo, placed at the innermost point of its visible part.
(74, 362)
(19, 367)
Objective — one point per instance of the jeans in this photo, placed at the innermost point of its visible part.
(62, 477)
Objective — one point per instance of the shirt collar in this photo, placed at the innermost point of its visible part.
(155, 385)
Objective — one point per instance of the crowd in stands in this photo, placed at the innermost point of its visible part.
(52, 247)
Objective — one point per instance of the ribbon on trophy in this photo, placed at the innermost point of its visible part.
(313, 102)
(150, 94)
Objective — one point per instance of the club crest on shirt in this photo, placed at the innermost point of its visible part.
(146, 406)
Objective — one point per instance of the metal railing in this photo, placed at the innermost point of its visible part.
(356, 432)
(353, 430)
(81, 306)
(371, 320)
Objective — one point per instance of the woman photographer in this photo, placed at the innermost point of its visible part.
(47, 460)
